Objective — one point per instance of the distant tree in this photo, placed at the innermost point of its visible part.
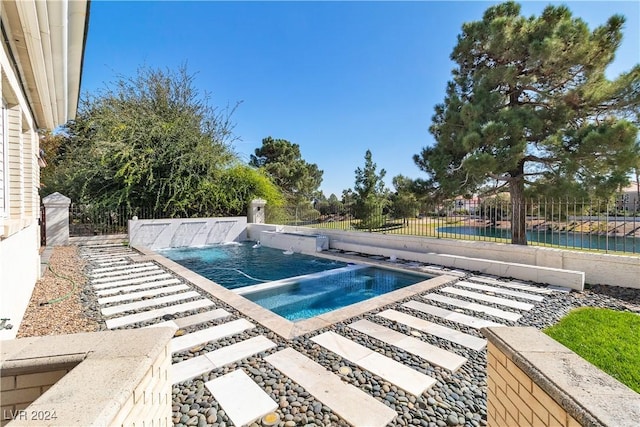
(321, 204)
(404, 203)
(530, 105)
(153, 141)
(348, 200)
(370, 194)
(335, 206)
(283, 162)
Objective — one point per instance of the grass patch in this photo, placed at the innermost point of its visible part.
(606, 338)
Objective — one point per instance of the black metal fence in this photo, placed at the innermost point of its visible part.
(612, 226)
(88, 220)
(606, 226)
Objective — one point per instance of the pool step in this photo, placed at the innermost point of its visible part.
(452, 316)
(488, 298)
(432, 354)
(491, 311)
(434, 329)
(390, 370)
(191, 368)
(241, 398)
(141, 286)
(213, 333)
(352, 404)
(139, 305)
(143, 316)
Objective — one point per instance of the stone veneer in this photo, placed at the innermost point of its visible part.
(534, 380)
(100, 378)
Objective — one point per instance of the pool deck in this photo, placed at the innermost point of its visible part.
(375, 363)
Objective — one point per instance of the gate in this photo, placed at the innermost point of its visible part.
(43, 226)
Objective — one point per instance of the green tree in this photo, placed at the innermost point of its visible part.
(370, 194)
(530, 106)
(335, 206)
(154, 141)
(404, 203)
(283, 162)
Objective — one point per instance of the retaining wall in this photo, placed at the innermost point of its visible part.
(606, 269)
(184, 232)
(534, 380)
(115, 378)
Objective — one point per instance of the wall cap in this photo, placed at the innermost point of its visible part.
(588, 394)
(56, 200)
(109, 366)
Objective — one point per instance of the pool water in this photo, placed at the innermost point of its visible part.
(311, 297)
(295, 286)
(235, 265)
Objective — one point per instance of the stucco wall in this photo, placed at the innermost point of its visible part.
(19, 271)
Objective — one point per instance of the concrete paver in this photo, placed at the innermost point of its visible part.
(213, 333)
(488, 298)
(152, 314)
(499, 290)
(463, 319)
(110, 311)
(240, 397)
(426, 351)
(492, 311)
(354, 405)
(439, 331)
(393, 371)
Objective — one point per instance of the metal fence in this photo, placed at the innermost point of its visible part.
(574, 224)
(89, 220)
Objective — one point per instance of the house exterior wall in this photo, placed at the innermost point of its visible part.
(37, 92)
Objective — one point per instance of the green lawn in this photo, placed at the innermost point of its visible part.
(606, 338)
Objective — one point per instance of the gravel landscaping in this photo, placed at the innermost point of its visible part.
(456, 399)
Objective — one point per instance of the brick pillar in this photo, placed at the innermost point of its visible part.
(57, 219)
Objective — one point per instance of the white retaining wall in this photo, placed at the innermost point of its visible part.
(182, 232)
(606, 269)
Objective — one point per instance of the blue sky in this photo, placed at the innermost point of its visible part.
(337, 78)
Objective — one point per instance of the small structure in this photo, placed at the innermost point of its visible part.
(57, 224)
(256, 211)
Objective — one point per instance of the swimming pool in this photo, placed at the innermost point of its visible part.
(235, 265)
(294, 286)
(306, 297)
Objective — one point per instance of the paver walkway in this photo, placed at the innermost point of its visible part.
(351, 403)
(123, 285)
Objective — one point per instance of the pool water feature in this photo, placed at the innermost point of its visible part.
(309, 296)
(235, 265)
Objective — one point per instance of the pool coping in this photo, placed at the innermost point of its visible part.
(278, 324)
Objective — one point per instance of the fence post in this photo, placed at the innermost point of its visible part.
(256, 211)
(57, 224)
